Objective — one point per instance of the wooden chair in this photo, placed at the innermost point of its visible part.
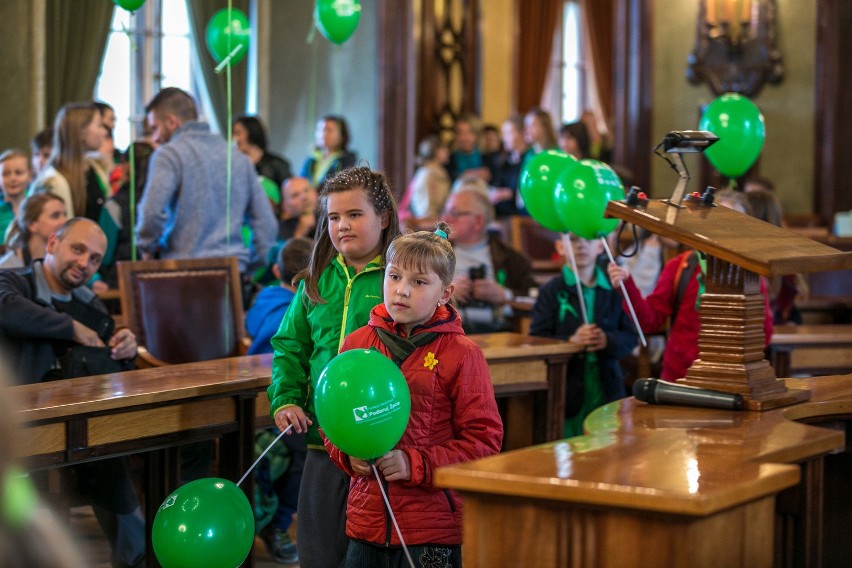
(183, 310)
(530, 238)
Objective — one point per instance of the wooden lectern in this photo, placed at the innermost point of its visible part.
(739, 249)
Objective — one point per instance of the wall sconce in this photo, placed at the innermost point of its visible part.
(735, 49)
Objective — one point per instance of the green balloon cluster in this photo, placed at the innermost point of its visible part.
(581, 196)
(739, 125)
(362, 403)
(224, 34)
(129, 5)
(337, 19)
(206, 523)
(566, 195)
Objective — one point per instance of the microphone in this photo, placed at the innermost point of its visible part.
(655, 391)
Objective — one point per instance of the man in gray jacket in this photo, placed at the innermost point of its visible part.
(185, 211)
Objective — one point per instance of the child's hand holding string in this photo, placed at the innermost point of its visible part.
(292, 415)
(395, 466)
(359, 466)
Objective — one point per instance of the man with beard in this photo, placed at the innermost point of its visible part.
(48, 317)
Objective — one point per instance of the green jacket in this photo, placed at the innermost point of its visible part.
(311, 334)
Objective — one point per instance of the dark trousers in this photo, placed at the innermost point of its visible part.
(321, 531)
(363, 555)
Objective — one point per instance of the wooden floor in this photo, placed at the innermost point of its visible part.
(96, 548)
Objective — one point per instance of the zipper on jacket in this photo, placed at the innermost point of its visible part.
(449, 500)
(347, 294)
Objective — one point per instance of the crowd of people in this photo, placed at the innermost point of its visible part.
(328, 265)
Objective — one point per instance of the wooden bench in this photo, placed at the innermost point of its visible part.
(811, 349)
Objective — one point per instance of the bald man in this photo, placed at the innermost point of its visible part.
(49, 318)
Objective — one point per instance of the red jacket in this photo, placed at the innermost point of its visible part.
(453, 419)
(653, 312)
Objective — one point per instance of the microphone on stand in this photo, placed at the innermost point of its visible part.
(655, 391)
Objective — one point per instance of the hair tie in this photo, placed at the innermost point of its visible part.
(441, 233)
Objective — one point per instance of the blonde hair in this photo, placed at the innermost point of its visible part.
(69, 155)
(425, 252)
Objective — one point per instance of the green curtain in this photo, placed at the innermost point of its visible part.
(200, 12)
(76, 35)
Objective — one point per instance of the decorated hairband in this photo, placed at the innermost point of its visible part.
(441, 233)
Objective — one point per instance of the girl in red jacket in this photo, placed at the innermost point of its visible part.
(453, 419)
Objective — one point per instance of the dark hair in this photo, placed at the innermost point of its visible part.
(42, 139)
(763, 182)
(341, 126)
(255, 130)
(293, 258)
(764, 206)
(425, 251)
(579, 132)
(428, 148)
(378, 192)
(174, 101)
(103, 107)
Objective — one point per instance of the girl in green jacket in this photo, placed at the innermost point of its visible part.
(357, 220)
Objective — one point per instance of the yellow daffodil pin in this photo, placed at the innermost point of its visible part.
(430, 361)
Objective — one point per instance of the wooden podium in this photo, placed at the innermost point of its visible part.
(739, 249)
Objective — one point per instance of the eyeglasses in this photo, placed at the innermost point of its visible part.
(455, 214)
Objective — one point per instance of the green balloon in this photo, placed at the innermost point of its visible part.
(582, 195)
(221, 31)
(205, 523)
(362, 403)
(271, 189)
(538, 185)
(739, 125)
(129, 5)
(337, 19)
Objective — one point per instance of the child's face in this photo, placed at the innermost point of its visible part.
(52, 217)
(411, 296)
(354, 226)
(533, 131)
(586, 251)
(93, 133)
(16, 176)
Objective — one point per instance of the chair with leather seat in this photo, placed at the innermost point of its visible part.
(183, 310)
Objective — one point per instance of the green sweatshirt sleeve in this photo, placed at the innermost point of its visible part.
(292, 346)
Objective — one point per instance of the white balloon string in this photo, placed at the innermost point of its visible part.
(269, 447)
(393, 518)
(569, 250)
(626, 297)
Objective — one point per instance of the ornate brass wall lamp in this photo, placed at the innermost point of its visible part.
(735, 48)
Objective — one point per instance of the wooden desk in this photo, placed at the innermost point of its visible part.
(78, 420)
(529, 372)
(787, 338)
(668, 486)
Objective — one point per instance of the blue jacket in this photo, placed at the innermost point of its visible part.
(184, 211)
(264, 317)
(551, 319)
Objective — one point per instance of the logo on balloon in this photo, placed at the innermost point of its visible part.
(337, 19)
(362, 403)
(376, 413)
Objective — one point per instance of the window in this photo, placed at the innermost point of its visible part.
(132, 74)
(573, 69)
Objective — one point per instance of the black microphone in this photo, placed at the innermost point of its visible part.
(655, 391)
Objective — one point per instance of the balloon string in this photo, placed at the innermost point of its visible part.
(569, 250)
(393, 518)
(269, 447)
(626, 297)
(229, 135)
